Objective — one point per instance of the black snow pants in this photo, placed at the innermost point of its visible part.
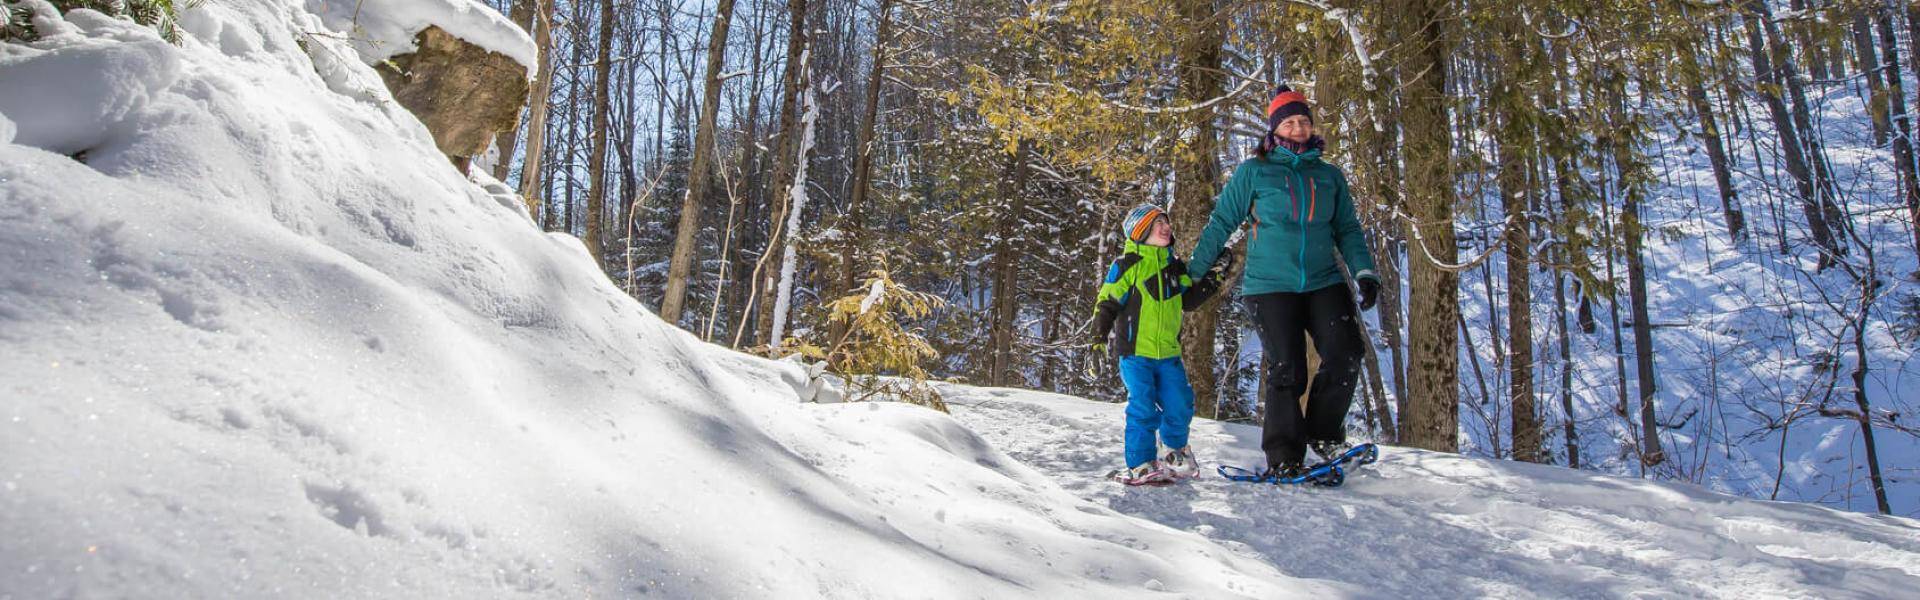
(1282, 318)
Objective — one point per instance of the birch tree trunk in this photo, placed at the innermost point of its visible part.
(796, 206)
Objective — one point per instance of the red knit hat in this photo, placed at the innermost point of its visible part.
(1286, 103)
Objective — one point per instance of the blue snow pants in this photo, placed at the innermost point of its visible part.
(1159, 401)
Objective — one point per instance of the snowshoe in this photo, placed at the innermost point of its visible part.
(1343, 456)
(1149, 473)
(1325, 475)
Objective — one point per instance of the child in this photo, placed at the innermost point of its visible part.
(1140, 302)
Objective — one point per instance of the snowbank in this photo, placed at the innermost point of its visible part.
(69, 115)
(383, 29)
(259, 339)
(1433, 525)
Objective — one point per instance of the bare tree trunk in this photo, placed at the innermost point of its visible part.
(679, 269)
(1433, 416)
(1898, 113)
(1385, 241)
(740, 296)
(597, 157)
(1196, 181)
(1528, 437)
(1629, 168)
(1716, 152)
(1569, 431)
(1772, 77)
(796, 211)
(531, 167)
(854, 231)
(1869, 62)
(1865, 417)
(522, 14)
(793, 83)
(1006, 267)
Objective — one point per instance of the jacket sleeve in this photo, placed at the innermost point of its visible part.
(1115, 292)
(1229, 211)
(1349, 236)
(1200, 291)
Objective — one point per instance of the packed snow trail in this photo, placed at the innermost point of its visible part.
(1422, 524)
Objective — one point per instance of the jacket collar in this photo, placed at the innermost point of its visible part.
(1147, 250)
(1292, 159)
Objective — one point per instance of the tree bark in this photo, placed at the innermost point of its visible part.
(1006, 267)
(1869, 63)
(1631, 189)
(1716, 152)
(1433, 411)
(684, 246)
(1772, 77)
(793, 83)
(524, 15)
(1898, 113)
(531, 167)
(1528, 437)
(1865, 418)
(853, 231)
(740, 295)
(1196, 182)
(597, 155)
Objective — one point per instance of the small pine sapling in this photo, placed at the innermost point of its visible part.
(880, 354)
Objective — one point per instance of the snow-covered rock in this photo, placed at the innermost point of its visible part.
(383, 29)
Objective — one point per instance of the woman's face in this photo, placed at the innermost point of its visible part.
(1297, 128)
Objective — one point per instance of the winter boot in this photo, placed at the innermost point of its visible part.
(1283, 471)
(1148, 473)
(1329, 450)
(1180, 462)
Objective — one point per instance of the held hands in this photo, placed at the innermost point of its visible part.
(1369, 293)
(1223, 264)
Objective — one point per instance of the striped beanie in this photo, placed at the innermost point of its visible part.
(1139, 222)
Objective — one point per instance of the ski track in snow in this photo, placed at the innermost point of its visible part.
(1434, 525)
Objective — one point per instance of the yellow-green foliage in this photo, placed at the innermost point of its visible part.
(879, 355)
(1088, 89)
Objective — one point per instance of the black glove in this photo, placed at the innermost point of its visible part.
(1224, 263)
(1369, 293)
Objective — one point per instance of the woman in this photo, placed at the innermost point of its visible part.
(1301, 213)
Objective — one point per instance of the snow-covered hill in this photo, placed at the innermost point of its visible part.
(258, 339)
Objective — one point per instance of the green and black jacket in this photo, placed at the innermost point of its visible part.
(1141, 300)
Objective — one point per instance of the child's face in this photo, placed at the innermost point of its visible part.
(1162, 233)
